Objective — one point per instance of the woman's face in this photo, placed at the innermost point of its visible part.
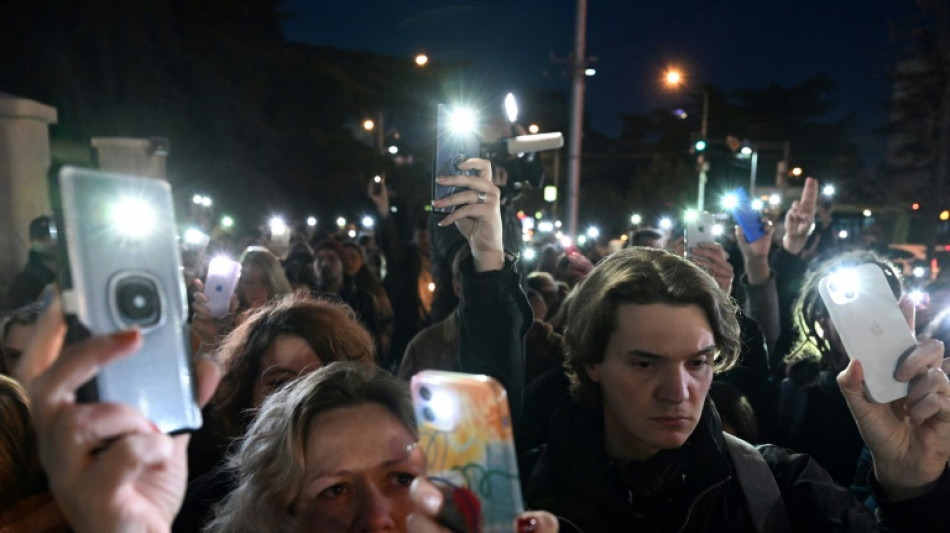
(359, 464)
(253, 289)
(288, 358)
(352, 260)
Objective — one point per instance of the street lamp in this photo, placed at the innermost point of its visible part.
(422, 60)
(674, 79)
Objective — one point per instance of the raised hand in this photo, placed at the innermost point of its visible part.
(478, 215)
(800, 218)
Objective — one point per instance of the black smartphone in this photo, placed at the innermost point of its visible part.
(119, 268)
(456, 140)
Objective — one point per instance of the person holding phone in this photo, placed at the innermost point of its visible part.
(643, 449)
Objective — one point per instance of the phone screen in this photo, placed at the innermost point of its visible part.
(456, 141)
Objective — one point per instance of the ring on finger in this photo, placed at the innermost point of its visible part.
(482, 197)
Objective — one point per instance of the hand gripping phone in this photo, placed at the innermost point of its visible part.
(120, 268)
(871, 326)
(466, 434)
(748, 218)
(456, 140)
(702, 229)
(223, 276)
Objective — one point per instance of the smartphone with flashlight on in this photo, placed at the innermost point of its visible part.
(120, 268)
(701, 228)
(466, 433)
(748, 218)
(223, 276)
(456, 140)
(871, 327)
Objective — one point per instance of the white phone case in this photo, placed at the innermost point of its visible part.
(871, 327)
(700, 230)
(223, 275)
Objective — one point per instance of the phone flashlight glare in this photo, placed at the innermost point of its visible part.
(462, 121)
(133, 218)
(843, 286)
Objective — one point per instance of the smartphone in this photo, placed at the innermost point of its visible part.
(194, 244)
(120, 268)
(702, 229)
(871, 326)
(749, 219)
(465, 431)
(456, 140)
(223, 276)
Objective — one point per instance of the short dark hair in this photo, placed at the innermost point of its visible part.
(644, 276)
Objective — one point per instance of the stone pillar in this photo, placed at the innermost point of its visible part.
(24, 163)
(129, 155)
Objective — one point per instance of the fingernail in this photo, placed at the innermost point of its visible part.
(125, 336)
(527, 524)
(432, 502)
(439, 179)
(154, 427)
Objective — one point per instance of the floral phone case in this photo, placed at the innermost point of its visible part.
(465, 431)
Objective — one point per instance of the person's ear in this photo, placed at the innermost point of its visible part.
(593, 372)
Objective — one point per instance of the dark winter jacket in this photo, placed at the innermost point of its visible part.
(695, 487)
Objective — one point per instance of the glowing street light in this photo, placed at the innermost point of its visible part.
(311, 221)
(369, 125)
(673, 77)
(636, 219)
(534, 128)
(797, 171)
(340, 222)
(422, 60)
(828, 190)
(393, 149)
(227, 222)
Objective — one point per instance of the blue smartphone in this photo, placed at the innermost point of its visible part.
(749, 219)
(456, 140)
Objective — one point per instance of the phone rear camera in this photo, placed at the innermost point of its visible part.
(138, 301)
(219, 288)
(428, 414)
(425, 393)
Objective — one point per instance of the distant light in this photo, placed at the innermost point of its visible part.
(745, 150)
(557, 223)
(393, 209)
(422, 60)
(196, 199)
(593, 232)
(797, 171)
(377, 179)
(666, 223)
(195, 236)
(866, 212)
(590, 72)
(945, 215)
(368, 125)
(917, 296)
(919, 271)
(340, 222)
(680, 114)
(227, 222)
(511, 107)
(843, 234)
(206, 201)
(624, 237)
(527, 223)
(368, 222)
(915, 206)
(550, 193)
(729, 202)
(775, 199)
(691, 215)
(529, 254)
(393, 149)
(700, 145)
(431, 287)
(566, 241)
(351, 233)
(828, 190)
(673, 77)
(277, 226)
(757, 204)
(538, 215)
(311, 221)
(534, 128)
(581, 240)
(526, 236)
(636, 219)
(545, 227)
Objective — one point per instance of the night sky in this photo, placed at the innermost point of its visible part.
(729, 43)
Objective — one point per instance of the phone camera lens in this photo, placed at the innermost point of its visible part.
(219, 288)
(425, 393)
(138, 301)
(428, 414)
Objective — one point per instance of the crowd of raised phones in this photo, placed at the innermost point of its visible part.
(654, 388)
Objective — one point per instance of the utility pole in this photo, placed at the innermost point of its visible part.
(578, 66)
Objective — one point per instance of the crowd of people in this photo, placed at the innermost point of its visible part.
(654, 388)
